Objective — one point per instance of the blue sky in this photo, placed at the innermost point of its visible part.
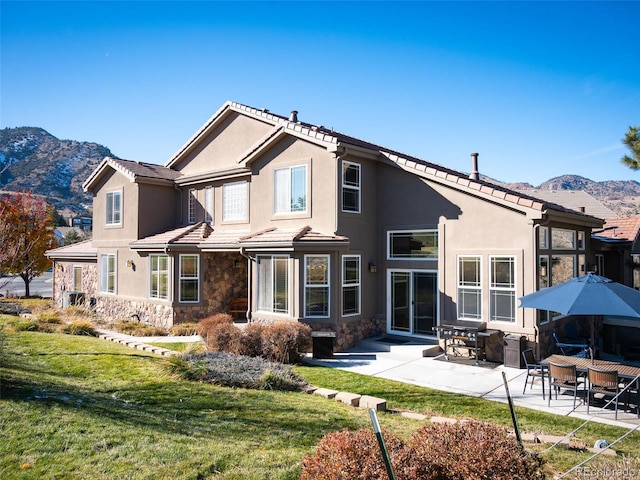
(539, 89)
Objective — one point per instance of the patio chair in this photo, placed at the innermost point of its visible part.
(571, 349)
(565, 377)
(605, 383)
(534, 370)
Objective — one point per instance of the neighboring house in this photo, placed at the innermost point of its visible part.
(617, 250)
(578, 200)
(311, 225)
(61, 233)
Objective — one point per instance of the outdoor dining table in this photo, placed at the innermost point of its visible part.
(627, 373)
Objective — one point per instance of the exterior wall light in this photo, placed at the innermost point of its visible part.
(372, 267)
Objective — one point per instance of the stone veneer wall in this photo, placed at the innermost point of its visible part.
(226, 278)
(63, 281)
(350, 332)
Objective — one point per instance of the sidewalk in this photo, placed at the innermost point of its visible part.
(405, 363)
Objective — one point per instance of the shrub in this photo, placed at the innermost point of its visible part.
(49, 316)
(211, 322)
(349, 455)
(472, 450)
(286, 342)
(224, 338)
(139, 329)
(80, 327)
(464, 451)
(229, 370)
(184, 329)
(251, 342)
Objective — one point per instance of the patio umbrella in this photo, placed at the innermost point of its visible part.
(586, 295)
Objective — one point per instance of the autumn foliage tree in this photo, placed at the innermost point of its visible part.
(25, 234)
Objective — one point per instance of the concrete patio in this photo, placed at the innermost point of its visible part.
(406, 363)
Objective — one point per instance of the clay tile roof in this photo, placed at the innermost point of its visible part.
(145, 170)
(624, 229)
(76, 250)
(189, 235)
(282, 235)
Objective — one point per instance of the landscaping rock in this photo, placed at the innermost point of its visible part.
(351, 399)
(326, 392)
(377, 404)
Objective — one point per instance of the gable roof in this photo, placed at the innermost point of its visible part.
(577, 200)
(139, 172)
(76, 251)
(343, 144)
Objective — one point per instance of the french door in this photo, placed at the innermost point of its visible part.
(413, 303)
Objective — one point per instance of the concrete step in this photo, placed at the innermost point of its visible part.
(400, 347)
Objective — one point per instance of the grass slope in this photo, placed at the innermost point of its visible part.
(78, 407)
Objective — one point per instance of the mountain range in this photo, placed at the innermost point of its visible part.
(31, 159)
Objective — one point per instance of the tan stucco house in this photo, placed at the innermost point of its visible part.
(315, 226)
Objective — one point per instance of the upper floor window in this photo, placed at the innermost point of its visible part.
(543, 238)
(316, 285)
(114, 208)
(502, 289)
(273, 283)
(192, 206)
(234, 201)
(189, 278)
(351, 285)
(108, 273)
(159, 281)
(350, 187)
(290, 190)
(208, 204)
(469, 287)
(417, 245)
(563, 239)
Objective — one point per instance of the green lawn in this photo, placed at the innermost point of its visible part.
(78, 407)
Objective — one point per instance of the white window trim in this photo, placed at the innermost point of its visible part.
(289, 289)
(513, 289)
(345, 258)
(289, 212)
(226, 199)
(469, 287)
(356, 188)
(191, 214)
(151, 272)
(115, 274)
(326, 285)
(181, 277)
(414, 259)
(208, 204)
(109, 221)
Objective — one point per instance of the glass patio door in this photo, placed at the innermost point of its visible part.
(413, 306)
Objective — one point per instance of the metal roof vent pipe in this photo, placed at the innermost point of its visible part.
(294, 116)
(475, 175)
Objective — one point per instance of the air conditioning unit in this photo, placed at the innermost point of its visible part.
(72, 298)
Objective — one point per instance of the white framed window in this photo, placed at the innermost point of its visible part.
(192, 206)
(108, 273)
(77, 279)
(350, 187)
(114, 208)
(470, 287)
(563, 239)
(189, 278)
(159, 277)
(208, 204)
(502, 289)
(543, 238)
(290, 190)
(273, 283)
(351, 285)
(412, 245)
(234, 201)
(316, 285)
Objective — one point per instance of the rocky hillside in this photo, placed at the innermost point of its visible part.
(31, 159)
(621, 196)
